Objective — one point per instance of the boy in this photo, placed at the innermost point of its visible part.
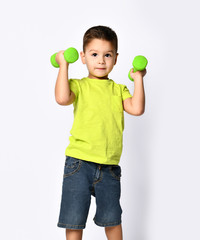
(92, 157)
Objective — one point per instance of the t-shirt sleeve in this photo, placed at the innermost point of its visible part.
(74, 86)
(125, 92)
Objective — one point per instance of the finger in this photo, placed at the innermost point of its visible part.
(144, 72)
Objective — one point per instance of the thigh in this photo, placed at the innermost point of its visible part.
(76, 196)
(108, 192)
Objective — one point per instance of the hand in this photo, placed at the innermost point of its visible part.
(138, 74)
(60, 58)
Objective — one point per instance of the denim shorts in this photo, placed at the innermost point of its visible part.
(83, 179)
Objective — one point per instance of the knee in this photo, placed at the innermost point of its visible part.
(113, 228)
(74, 234)
(114, 232)
(73, 230)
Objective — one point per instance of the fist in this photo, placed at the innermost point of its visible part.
(60, 58)
(138, 74)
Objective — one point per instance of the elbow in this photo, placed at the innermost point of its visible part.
(62, 101)
(137, 109)
(138, 112)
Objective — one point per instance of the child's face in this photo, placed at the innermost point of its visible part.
(100, 58)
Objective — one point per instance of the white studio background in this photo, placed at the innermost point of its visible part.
(160, 160)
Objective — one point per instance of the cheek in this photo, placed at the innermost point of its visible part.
(111, 63)
(89, 64)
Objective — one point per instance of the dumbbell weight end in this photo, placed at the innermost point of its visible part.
(71, 55)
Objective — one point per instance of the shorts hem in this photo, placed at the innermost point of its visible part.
(70, 226)
(107, 224)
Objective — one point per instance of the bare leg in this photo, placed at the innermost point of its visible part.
(72, 234)
(114, 233)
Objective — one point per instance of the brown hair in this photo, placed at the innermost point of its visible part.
(100, 32)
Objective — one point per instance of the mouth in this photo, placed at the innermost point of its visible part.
(101, 68)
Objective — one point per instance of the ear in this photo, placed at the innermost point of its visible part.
(116, 58)
(82, 57)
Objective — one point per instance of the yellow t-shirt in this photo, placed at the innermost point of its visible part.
(97, 131)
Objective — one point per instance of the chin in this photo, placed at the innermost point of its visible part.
(103, 77)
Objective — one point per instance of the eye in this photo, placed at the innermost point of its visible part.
(94, 54)
(108, 55)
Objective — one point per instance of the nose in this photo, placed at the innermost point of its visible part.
(101, 60)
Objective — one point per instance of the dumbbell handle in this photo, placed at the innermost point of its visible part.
(70, 55)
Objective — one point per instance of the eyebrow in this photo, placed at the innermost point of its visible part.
(97, 50)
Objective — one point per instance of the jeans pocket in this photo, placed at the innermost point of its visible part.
(72, 165)
(115, 171)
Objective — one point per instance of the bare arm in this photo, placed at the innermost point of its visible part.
(136, 104)
(63, 94)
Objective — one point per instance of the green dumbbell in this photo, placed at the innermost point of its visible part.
(70, 55)
(139, 64)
